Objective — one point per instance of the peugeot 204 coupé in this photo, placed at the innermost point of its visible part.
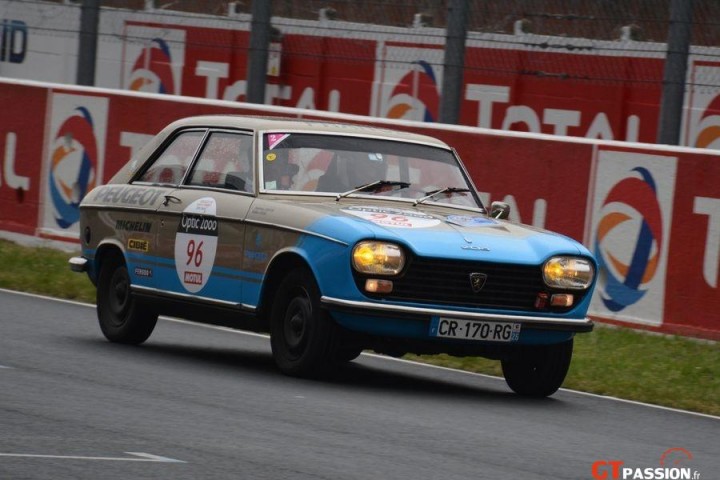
(334, 239)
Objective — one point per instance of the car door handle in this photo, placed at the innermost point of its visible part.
(170, 199)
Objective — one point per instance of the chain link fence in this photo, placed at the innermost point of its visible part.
(641, 20)
(609, 47)
(604, 27)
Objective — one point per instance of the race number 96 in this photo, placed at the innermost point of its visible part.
(196, 244)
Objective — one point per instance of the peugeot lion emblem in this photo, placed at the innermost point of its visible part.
(477, 281)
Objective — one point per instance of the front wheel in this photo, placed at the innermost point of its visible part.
(303, 338)
(538, 371)
(122, 318)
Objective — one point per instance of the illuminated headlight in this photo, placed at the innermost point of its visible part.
(378, 258)
(568, 272)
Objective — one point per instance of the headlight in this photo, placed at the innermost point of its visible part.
(568, 272)
(378, 258)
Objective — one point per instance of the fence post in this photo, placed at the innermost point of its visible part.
(454, 62)
(87, 47)
(675, 74)
(259, 46)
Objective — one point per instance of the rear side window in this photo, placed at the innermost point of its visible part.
(170, 166)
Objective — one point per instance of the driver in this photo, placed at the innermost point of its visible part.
(348, 170)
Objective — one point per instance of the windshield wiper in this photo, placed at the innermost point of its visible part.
(434, 193)
(373, 186)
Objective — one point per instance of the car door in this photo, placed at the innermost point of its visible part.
(138, 224)
(202, 227)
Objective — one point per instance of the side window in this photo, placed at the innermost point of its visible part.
(169, 168)
(226, 161)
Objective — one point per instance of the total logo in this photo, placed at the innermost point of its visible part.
(702, 127)
(631, 217)
(410, 94)
(156, 58)
(74, 156)
(626, 280)
(417, 90)
(151, 71)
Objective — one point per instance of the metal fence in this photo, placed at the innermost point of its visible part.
(602, 27)
(642, 20)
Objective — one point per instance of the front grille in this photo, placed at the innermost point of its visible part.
(438, 281)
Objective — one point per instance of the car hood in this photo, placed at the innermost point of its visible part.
(441, 231)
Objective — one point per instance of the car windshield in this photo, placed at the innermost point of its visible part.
(346, 166)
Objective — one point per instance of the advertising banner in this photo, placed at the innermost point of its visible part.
(631, 216)
(21, 143)
(74, 158)
(651, 215)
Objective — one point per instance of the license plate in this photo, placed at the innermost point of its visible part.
(474, 330)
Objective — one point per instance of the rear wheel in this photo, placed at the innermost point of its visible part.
(122, 318)
(538, 371)
(302, 336)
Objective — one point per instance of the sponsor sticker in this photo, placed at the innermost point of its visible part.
(392, 217)
(141, 196)
(274, 139)
(143, 272)
(468, 221)
(138, 245)
(196, 244)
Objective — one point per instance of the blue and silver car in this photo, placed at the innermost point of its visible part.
(335, 239)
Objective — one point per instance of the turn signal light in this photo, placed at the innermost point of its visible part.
(378, 286)
(562, 300)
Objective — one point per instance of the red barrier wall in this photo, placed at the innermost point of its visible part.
(650, 214)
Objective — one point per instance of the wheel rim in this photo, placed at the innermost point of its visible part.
(296, 324)
(119, 296)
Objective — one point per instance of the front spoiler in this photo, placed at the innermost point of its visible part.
(377, 309)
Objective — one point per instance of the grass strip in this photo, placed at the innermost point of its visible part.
(663, 370)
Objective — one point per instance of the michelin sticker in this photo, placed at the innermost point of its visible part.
(196, 244)
(391, 217)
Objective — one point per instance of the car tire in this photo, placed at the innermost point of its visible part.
(538, 371)
(122, 318)
(303, 338)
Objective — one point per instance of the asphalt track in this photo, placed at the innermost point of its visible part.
(205, 403)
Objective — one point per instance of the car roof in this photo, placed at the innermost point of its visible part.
(312, 126)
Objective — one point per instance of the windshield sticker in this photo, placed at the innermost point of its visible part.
(467, 221)
(270, 157)
(275, 138)
(196, 244)
(391, 217)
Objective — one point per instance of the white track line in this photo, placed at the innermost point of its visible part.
(386, 358)
(145, 457)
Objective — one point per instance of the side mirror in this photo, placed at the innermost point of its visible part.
(499, 210)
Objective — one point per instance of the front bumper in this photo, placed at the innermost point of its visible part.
(422, 313)
(78, 264)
